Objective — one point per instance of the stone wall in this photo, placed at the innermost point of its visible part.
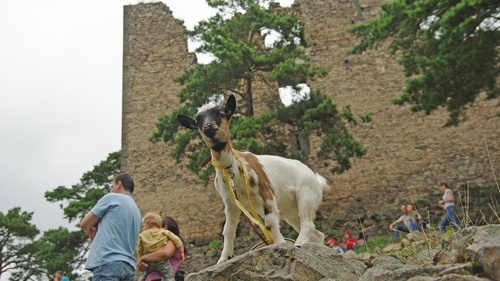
(155, 52)
(407, 152)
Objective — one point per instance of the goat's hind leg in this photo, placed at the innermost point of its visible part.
(307, 204)
(315, 235)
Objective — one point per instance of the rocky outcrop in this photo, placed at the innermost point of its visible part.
(285, 262)
(477, 245)
(472, 254)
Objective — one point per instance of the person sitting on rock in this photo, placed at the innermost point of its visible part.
(350, 243)
(401, 224)
(415, 219)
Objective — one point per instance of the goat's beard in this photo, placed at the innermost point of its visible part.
(218, 146)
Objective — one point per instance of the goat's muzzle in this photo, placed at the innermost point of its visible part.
(209, 129)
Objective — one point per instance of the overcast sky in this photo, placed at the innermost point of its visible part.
(61, 94)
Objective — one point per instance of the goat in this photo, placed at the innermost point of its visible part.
(279, 187)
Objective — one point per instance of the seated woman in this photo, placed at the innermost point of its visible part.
(415, 221)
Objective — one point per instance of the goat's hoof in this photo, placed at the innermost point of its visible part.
(223, 259)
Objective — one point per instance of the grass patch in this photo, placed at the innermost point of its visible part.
(416, 254)
(214, 244)
(375, 242)
(337, 233)
(422, 201)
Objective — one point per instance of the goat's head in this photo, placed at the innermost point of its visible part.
(212, 121)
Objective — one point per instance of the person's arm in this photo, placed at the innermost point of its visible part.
(177, 241)
(88, 224)
(139, 249)
(391, 226)
(441, 203)
(163, 254)
(160, 255)
(419, 217)
(181, 251)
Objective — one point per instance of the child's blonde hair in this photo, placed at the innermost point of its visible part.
(153, 219)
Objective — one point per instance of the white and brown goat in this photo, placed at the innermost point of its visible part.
(280, 188)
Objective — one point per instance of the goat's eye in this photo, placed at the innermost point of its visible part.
(222, 114)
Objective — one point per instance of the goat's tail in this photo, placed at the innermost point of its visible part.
(322, 182)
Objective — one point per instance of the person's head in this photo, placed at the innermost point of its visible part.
(443, 186)
(410, 207)
(58, 275)
(170, 224)
(331, 242)
(347, 234)
(151, 220)
(123, 182)
(404, 209)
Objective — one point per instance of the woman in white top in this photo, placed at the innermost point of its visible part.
(448, 204)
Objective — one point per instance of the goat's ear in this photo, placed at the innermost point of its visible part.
(187, 121)
(230, 106)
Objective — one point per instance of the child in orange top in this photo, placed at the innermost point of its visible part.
(154, 238)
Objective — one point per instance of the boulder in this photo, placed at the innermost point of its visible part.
(479, 245)
(285, 261)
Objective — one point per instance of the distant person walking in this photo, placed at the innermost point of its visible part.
(448, 204)
(113, 225)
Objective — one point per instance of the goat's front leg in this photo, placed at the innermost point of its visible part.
(232, 213)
